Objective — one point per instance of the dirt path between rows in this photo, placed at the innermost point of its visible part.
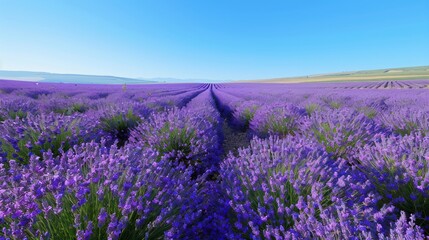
(232, 137)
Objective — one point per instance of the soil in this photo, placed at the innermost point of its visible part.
(233, 139)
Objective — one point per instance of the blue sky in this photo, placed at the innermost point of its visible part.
(212, 39)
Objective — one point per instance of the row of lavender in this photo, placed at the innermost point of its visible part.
(116, 167)
(328, 163)
(35, 120)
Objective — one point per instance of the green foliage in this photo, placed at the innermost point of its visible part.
(37, 141)
(75, 108)
(61, 225)
(311, 108)
(326, 135)
(407, 128)
(278, 125)
(283, 193)
(331, 102)
(284, 126)
(248, 115)
(404, 195)
(177, 140)
(335, 105)
(120, 125)
(369, 112)
(17, 114)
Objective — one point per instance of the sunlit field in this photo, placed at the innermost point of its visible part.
(214, 161)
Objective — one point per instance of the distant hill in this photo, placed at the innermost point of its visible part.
(68, 78)
(366, 75)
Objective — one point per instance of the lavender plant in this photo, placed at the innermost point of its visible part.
(244, 113)
(12, 108)
(119, 125)
(398, 168)
(343, 131)
(180, 135)
(268, 180)
(35, 135)
(280, 120)
(405, 121)
(92, 192)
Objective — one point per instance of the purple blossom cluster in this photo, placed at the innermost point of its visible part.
(96, 192)
(36, 134)
(188, 135)
(398, 168)
(266, 184)
(322, 161)
(279, 120)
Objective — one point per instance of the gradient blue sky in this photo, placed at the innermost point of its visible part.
(212, 39)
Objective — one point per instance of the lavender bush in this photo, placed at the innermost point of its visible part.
(280, 120)
(398, 168)
(343, 131)
(93, 192)
(268, 181)
(37, 134)
(119, 125)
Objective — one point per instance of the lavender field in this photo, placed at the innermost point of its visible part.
(215, 161)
